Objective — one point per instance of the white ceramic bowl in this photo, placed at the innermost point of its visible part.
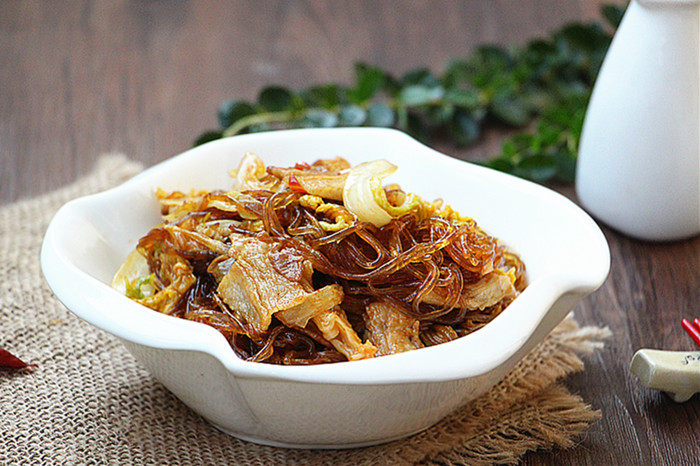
(333, 405)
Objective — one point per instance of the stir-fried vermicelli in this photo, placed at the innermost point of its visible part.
(320, 263)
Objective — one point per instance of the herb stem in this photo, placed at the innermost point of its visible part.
(245, 122)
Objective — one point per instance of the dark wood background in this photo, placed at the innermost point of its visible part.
(81, 78)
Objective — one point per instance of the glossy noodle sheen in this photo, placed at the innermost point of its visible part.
(289, 275)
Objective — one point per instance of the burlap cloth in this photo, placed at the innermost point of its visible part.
(90, 402)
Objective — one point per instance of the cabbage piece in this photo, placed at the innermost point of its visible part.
(438, 334)
(325, 178)
(141, 287)
(440, 209)
(251, 175)
(315, 303)
(180, 278)
(390, 330)
(342, 217)
(220, 230)
(135, 280)
(176, 205)
(263, 282)
(134, 268)
(191, 242)
(490, 289)
(248, 173)
(364, 196)
(335, 328)
(325, 186)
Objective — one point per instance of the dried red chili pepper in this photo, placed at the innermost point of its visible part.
(302, 166)
(10, 361)
(294, 184)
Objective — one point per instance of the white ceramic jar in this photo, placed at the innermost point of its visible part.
(639, 159)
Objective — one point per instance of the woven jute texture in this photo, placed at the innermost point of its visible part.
(89, 401)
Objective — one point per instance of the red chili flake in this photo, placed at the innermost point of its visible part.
(10, 361)
(302, 166)
(692, 329)
(294, 184)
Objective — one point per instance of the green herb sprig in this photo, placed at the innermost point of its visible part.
(548, 81)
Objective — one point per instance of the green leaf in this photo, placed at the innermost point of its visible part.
(548, 134)
(206, 137)
(457, 71)
(380, 115)
(232, 111)
(522, 141)
(493, 55)
(319, 118)
(275, 99)
(438, 115)
(585, 37)
(501, 164)
(328, 96)
(537, 168)
(537, 99)
(509, 150)
(479, 114)
(297, 107)
(351, 115)
(464, 128)
(613, 14)
(420, 95)
(566, 89)
(369, 81)
(567, 113)
(566, 165)
(539, 49)
(462, 98)
(420, 77)
(510, 109)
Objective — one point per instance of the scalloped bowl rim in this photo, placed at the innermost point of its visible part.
(96, 302)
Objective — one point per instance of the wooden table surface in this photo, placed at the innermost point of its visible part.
(78, 79)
